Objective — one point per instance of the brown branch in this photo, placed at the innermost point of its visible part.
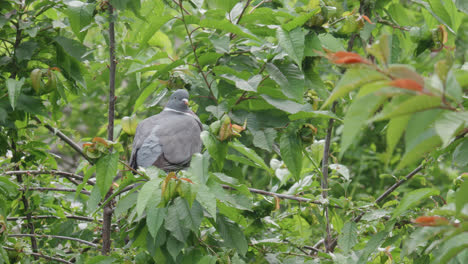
(232, 35)
(259, 4)
(44, 189)
(64, 137)
(279, 195)
(107, 211)
(393, 25)
(54, 236)
(52, 172)
(40, 255)
(76, 217)
(194, 50)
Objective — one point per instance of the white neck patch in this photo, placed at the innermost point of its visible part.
(177, 111)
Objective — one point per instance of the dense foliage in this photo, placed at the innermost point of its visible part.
(335, 131)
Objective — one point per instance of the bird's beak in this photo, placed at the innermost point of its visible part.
(185, 101)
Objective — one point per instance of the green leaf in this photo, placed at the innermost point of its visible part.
(353, 79)
(156, 22)
(460, 155)
(232, 234)
(174, 220)
(371, 246)
(412, 198)
(413, 104)
(291, 153)
(381, 49)
(313, 114)
(106, 170)
(7, 187)
(300, 20)
(26, 50)
(199, 168)
(348, 237)
(293, 44)
(290, 78)
(287, 105)
(31, 105)
(249, 153)
(449, 124)
(249, 85)
(73, 48)
(264, 139)
(154, 219)
(146, 193)
(396, 127)
(217, 149)
(356, 117)
(227, 26)
(207, 199)
(450, 248)
(14, 90)
(461, 199)
(80, 15)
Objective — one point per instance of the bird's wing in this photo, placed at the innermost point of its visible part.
(145, 138)
(180, 138)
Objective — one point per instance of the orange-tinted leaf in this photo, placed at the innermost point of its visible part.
(101, 140)
(367, 19)
(430, 221)
(345, 57)
(277, 202)
(55, 69)
(87, 145)
(187, 180)
(443, 34)
(407, 84)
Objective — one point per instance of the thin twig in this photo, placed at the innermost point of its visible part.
(279, 195)
(43, 189)
(52, 172)
(232, 35)
(259, 4)
(58, 237)
(64, 137)
(40, 255)
(76, 217)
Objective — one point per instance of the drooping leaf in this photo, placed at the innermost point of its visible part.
(348, 237)
(450, 248)
(106, 170)
(461, 199)
(412, 198)
(154, 219)
(216, 148)
(80, 15)
(147, 191)
(373, 243)
(232, 234)
(290, 78)
(395, 129)
(413, 104)
(449, 124)
(14, 90)
(293, 43)
(291, 153)
(199, 168)
(249, 153)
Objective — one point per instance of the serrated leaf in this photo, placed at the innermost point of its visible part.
(154, 219)
(413, 104)
(300, 20)
(199, 168)
(14, 90)
(249, 85)
(232, 234)
(227, 26)
(293, 44)
(412, 198)
(146, 193)
(216, 148)
(264, 138)
(348, 237)
(287, 105)
(174, 221)
(291, 153)
(356, 117)
(290, 78)
(80, 15)
(460, 155)
(106, 170)
(374, 242)
(207, 199)
(249, 153)
(353, 79)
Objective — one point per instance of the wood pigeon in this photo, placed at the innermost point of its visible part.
(169, 139)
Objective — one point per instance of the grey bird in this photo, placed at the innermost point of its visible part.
(169, 139)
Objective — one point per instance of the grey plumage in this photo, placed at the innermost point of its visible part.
(169, 139)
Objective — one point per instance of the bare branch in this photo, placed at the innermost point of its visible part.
(54, 236)
(40, 255)
(53, 172)
(44, 189)
(77, 217)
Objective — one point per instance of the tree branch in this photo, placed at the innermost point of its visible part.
(44, 189)
(40, 255)
(54, 236)
(53, 172)
(77, 217)
(64, 137)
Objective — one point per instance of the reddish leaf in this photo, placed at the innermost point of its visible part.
(187, 180)
(430, 221)
(407, 84)
(367, 19)
(101, 140)
(344, 57)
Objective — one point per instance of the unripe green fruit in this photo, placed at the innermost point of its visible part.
(129, 125)
(36, 76)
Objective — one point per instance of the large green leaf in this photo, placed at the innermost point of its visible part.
(199, 168)
(395, 129)
(374, 242)
(80, 15)
(249, 153)
(449, 124)
(106, 170)
(291, 153)
(293, 44)
(73, 48)
(412, 198)
(353, 79)
(14, 90)
(174, 221)
(461, 199)
(148, 190)
(450, 248)
(300, 20)
(250, 85)
(227, 26)
(290, 79)
(232, 234)
(348, 237)
(207, 199)
(216, 148)
(413, 104)
(356, 116)
(460, 155)
(154, 219)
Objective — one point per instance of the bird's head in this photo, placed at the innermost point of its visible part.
(179, 101)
